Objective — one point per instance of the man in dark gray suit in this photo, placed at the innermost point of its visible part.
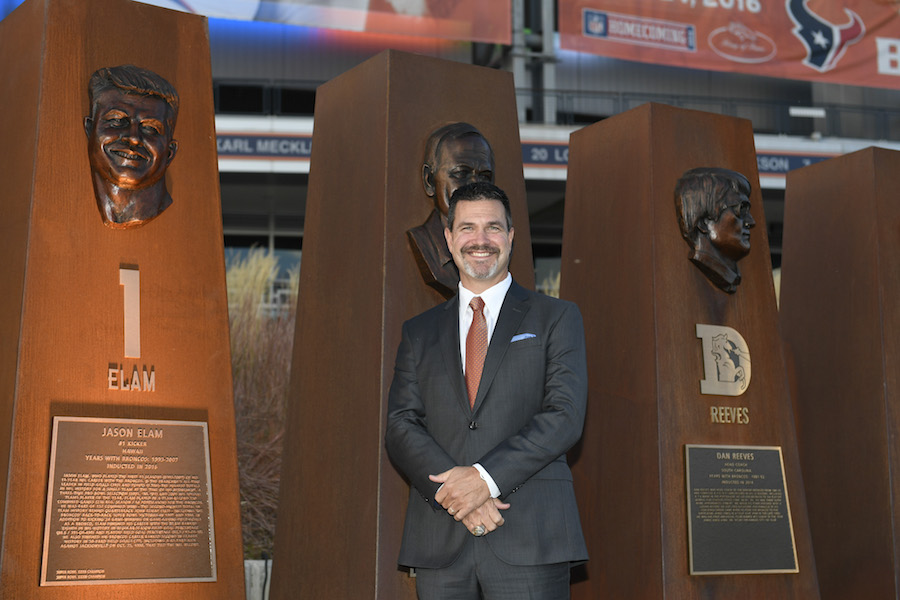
(492, 510)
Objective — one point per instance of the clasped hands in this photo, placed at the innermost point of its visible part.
(467, 498)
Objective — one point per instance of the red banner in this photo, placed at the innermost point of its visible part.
(853, 42)
(468, 20)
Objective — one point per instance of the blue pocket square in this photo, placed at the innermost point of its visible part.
(521, 336)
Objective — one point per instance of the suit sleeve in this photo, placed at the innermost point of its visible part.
(409, 444)
(553, 430)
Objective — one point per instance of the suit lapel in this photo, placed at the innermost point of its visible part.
(449, 340)
(515, 305)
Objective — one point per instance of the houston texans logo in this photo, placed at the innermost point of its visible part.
(825, 42)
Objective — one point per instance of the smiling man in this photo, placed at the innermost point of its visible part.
(130, 143)
(489, 393)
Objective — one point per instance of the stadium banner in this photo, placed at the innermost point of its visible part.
(854, 42)
(467, 20)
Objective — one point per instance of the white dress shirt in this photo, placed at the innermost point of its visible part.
(493, 300)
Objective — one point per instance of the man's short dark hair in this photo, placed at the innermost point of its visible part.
(479, 190)
(130, 79)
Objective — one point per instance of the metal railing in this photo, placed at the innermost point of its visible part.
(768, 116)
(575, 107)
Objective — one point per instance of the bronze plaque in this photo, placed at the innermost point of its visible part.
(128, 501)
(739, 518)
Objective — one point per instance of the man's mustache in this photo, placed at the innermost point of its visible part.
(480, 248)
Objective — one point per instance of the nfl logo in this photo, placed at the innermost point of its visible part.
(595, 23)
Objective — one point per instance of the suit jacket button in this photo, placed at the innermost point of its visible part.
(473, 425)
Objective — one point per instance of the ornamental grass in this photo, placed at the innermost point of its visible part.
(261, 311)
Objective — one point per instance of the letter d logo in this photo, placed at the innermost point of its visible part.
(726, 361)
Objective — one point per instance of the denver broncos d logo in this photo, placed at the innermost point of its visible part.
(825, 42)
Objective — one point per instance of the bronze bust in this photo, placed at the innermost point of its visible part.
(130, 143)
(713, 206)
(455, 154)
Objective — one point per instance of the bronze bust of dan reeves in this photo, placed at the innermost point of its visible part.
(713, 207)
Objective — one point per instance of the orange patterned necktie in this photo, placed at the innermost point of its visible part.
(476, 348)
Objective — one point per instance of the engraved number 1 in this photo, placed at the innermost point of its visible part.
(130, 279)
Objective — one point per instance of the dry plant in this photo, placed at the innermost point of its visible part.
(262, 334)
(550, 285)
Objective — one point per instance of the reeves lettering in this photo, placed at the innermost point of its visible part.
(729, 415)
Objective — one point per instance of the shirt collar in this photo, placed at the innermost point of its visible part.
(493, 296)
